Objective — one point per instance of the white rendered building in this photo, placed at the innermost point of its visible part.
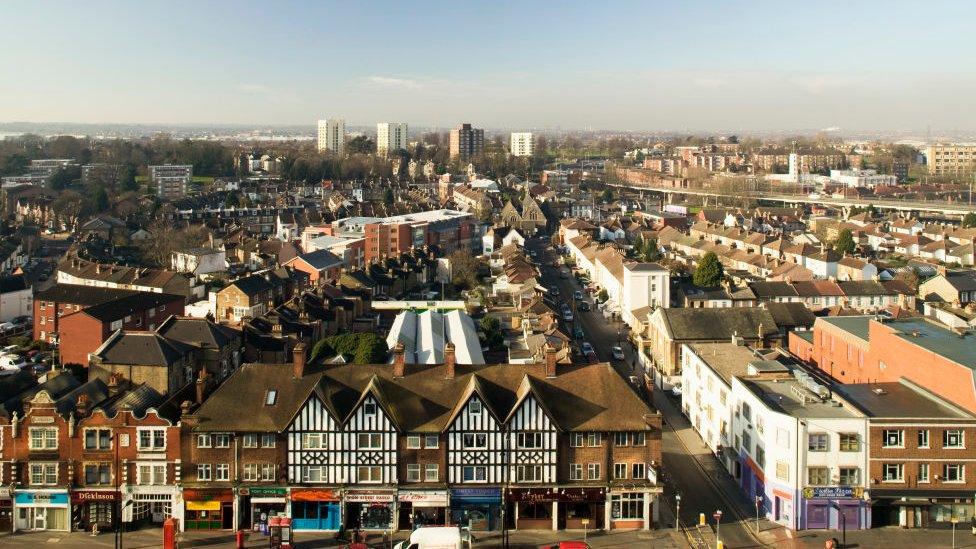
(391, 136)
(332, 135)
(522, 144)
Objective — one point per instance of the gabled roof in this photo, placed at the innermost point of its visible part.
(197, 331)
(138, 302)
(81, 295)
(142, 348)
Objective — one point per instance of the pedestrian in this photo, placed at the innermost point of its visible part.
(972, 524)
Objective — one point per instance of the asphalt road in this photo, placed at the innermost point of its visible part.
(697, 480)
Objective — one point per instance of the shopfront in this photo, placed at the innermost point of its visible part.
(6, 511)
(258, 504)
(41, 510)
(208, 509)
(151, 505)
(315, 509)
(370, 509)
(476, 508)
(921, 508)
(94, 509)
(835, 508)
(631, 510)
(559, 508)
(422, 508)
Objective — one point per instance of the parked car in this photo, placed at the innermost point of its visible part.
(586, 347)
(12, 362)
(21, 320)
(578, 332)
(568, 315)
(554, 291)
(583, 306)
(617, 352)
(6, 327)
(578, 295)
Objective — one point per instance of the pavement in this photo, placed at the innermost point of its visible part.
(152, 538)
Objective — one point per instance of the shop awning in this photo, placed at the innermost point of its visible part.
(203, 506)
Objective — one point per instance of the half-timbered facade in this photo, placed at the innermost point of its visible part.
(475, 444)
(392, 446)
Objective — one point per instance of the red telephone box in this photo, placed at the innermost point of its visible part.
(279, 529)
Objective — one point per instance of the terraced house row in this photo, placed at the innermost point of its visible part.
(381, 446)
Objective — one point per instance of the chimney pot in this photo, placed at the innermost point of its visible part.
(399, 366)
(200, 386)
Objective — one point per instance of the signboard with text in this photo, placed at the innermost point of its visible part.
(833, 492)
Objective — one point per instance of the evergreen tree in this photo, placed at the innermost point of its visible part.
(709, 272)
(845, 242)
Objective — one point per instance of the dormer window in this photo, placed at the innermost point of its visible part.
(270, 397)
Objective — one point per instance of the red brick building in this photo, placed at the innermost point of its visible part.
(68, 464)
(63, 299)
(865, 349)
(83, 331)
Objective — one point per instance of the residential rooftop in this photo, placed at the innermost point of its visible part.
(899, 400)
(782, 394)
(725, 359)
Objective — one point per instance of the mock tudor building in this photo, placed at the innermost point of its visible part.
(389, 446)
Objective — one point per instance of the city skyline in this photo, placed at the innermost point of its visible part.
(757, 66)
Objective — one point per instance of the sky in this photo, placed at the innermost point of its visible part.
(651, 65)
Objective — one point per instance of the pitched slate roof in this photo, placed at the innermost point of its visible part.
(119, 308)
(197, 331)
(582, 397)
(142, 348)
(81, 295)
(718, 324)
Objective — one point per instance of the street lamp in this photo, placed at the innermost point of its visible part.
(677, 511)
(718, 525)
(759, 501)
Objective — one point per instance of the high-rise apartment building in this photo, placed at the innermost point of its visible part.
(332, 134)
(172, 181)
(521, 144)
(391, 136)
(467, 141)
(951, 158)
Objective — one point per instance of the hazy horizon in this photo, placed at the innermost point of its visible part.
(625, 66)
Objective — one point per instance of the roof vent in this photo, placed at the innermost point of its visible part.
(879, 391)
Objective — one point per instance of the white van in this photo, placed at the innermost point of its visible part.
(437, 537)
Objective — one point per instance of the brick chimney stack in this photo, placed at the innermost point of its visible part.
(201, 385)
(449, 360)
(550, 355)
(299, 359)
(399, 367)
(82, 405)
